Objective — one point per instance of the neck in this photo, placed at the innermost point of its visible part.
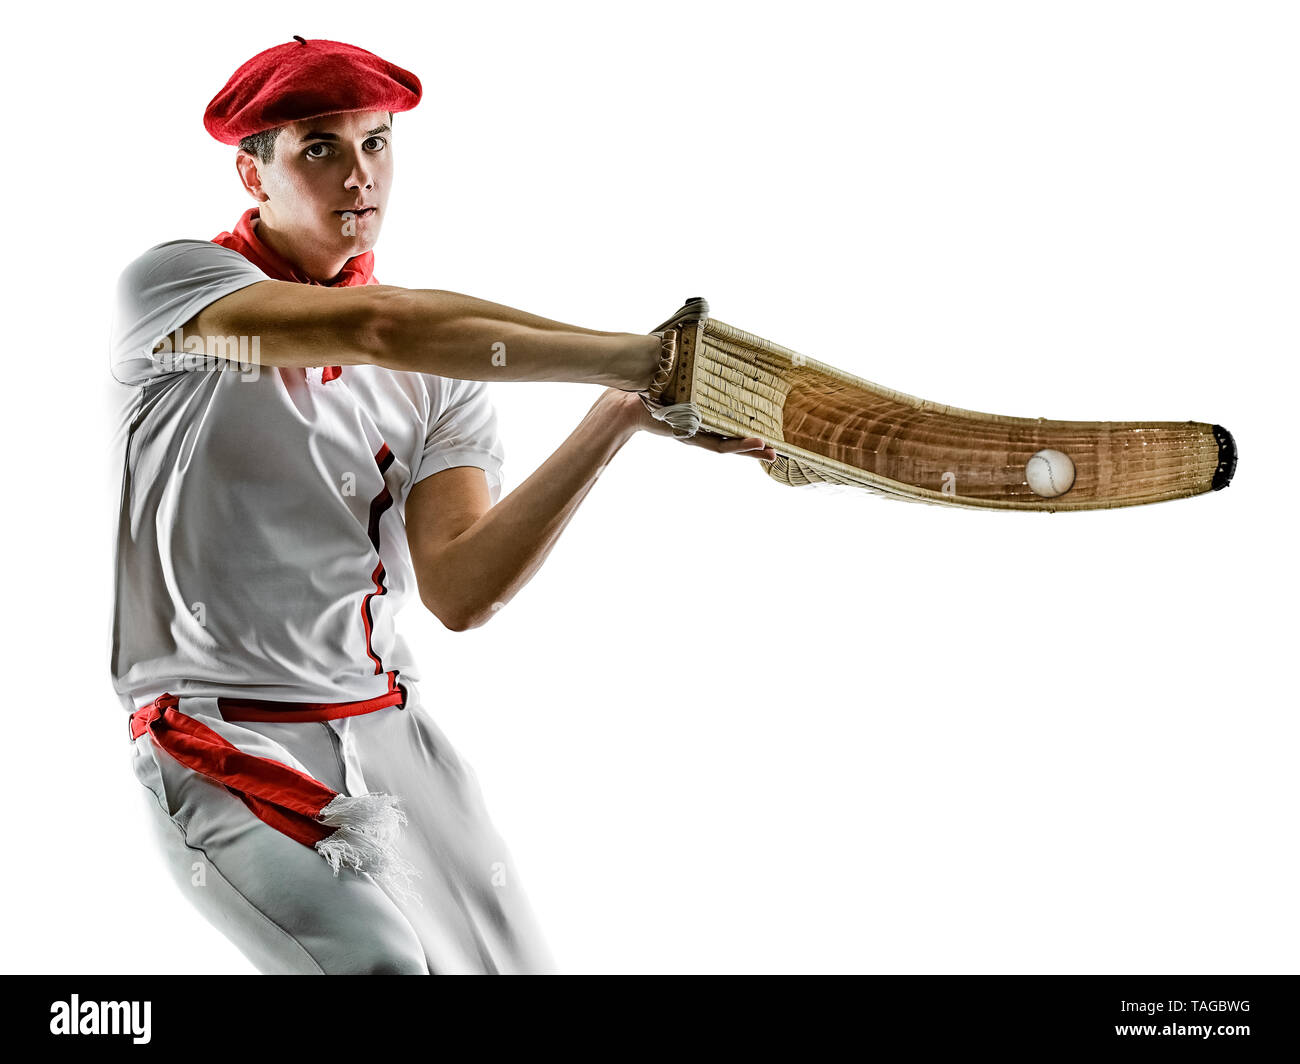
(320, 268)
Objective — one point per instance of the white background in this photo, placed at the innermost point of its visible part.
(733, 726)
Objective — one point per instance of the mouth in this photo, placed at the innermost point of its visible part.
(357, 212)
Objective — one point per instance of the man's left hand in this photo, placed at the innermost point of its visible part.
(752, 446)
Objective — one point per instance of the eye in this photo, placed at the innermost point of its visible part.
(313, 147)
(379, 142)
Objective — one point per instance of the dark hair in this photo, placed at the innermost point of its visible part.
(263, 144)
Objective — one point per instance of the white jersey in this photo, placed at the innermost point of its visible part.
(261, 547)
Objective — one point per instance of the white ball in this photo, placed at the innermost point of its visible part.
(1050, 473)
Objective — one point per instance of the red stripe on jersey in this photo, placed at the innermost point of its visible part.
(378, 507)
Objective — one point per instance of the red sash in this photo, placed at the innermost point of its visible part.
(358, 831)
(285, 798)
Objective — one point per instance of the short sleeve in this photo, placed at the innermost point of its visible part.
(159, 292)
(462, 431)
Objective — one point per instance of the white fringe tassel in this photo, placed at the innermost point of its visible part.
(365, 839)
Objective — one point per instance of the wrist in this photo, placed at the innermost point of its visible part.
(624, 409)
(641, 358)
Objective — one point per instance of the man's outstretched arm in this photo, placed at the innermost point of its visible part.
(425, 331)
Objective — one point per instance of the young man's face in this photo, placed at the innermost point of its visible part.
(328, 181)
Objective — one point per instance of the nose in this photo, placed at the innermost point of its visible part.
(360, 176)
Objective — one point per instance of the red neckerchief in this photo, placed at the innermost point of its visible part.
(360, 269)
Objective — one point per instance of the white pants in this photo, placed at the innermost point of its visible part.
(281, 903)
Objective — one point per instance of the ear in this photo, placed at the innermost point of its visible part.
(246, 165)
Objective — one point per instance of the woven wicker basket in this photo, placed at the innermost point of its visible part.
(828, 426)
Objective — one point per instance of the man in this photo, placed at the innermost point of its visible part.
(304, 448)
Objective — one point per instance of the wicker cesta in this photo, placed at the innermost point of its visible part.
(828, 426)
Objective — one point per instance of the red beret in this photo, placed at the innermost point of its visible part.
(306, 79)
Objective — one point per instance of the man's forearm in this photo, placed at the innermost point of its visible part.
(454, 335)
(492, 560)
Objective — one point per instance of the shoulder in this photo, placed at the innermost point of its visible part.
(174, 259)
(445, 390)
(456, 399)
(160, 290)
